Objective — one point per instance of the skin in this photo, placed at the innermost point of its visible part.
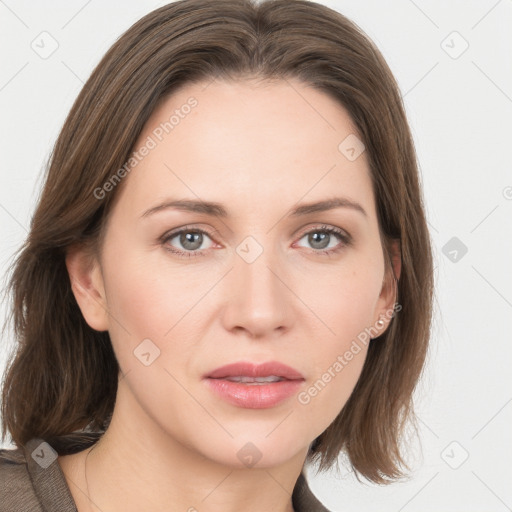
(260, 149)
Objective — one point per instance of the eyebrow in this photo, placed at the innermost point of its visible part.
(217, 210)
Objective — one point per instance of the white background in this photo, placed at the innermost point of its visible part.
(460, 110)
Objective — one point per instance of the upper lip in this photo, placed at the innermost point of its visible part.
(248, 369)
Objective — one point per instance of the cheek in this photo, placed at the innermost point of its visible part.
(344, 300)
(151, 299)
(336, 362)
(139, 310)
(343, 296)
(134, 298)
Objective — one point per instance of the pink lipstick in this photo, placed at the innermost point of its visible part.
(254, 386)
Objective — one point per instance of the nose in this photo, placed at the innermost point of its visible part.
(259, 298)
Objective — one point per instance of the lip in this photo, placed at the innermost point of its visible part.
(248, 369)
(254, 396)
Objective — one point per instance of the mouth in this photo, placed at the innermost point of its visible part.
(252, 386)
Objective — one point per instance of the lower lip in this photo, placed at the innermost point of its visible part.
(256, 396)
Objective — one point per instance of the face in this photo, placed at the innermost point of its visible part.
(252, 279)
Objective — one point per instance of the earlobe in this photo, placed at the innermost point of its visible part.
(87, 286)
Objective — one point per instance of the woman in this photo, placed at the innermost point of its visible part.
(228, 275)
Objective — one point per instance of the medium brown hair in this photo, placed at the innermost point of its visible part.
(62, 376)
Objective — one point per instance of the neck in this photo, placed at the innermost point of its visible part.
(136, 466)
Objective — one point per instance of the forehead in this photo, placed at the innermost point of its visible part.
(247, 143)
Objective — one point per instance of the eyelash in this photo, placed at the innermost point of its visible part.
(345, 238)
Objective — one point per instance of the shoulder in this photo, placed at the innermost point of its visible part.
(31, 479)
(16, 489)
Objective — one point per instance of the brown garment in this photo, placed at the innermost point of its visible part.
(31, 480)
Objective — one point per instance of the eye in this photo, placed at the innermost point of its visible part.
(189, 240)
(323, 239)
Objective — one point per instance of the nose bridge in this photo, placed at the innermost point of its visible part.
(255, 259)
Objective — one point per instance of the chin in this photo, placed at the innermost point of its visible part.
(259, 451)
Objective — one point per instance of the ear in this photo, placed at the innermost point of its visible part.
(386, 304)
(87, 285)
